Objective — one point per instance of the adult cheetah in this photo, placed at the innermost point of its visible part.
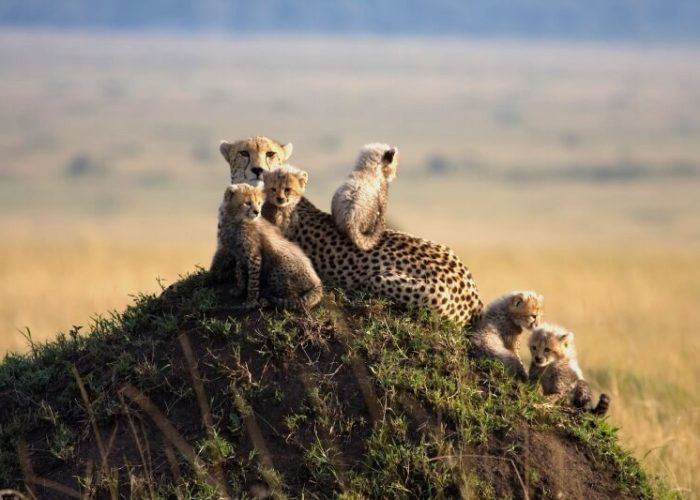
(401, 267)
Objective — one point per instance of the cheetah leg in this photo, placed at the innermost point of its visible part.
(223, 266)
(582, 398)
(253, 292)
(510, 360)
(514, 366)
(240, 278)
(603, 405)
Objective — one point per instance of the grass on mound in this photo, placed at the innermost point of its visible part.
(185, 396)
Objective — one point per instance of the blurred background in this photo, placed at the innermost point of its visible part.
(554, 145)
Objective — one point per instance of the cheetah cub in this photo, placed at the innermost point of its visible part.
(555, 367)
(496, 335)
(359, 204)
(272, 266)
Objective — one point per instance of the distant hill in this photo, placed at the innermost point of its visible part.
(638, 20)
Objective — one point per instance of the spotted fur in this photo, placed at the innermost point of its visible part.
(401, 267)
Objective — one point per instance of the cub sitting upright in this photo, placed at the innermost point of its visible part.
(250, 158)
(496, 334)
(359, 204)
(555, 367)
(265, 260)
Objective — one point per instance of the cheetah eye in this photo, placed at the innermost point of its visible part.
(274, 190)
(532, 347)
(270, 154)
(547, 350)
(287, 190)
(244, 154)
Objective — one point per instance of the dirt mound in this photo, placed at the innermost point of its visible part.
(183, 395)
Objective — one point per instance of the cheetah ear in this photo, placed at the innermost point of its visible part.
(517, 300)
(388, 157)
(303, 178)
(225, 148)
(287, 148)
(230, 191)
(564, 337)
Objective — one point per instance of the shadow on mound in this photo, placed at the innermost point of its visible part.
(183, 395)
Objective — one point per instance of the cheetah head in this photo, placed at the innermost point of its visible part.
(380, 158)
(284, 186)
(550, 343)
(243, 201)
(524, 308)
(250, 158)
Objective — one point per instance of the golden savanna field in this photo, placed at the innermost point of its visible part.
(571, 169)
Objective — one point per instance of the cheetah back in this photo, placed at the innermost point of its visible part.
(406, 269)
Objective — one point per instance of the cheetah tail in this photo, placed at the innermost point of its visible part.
(603, 405)
(365, 241)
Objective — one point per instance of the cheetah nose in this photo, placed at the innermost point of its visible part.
(256, 212)
(538, 359)
(280, 199)
(257, 171)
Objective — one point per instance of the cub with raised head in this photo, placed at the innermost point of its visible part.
(555, 367)
(496, 335)
(273, 267)
(359, 204)
(401, 267)
(250, 158)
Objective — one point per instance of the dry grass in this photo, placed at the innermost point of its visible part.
(48, 288)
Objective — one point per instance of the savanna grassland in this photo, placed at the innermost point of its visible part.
(570, 169)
